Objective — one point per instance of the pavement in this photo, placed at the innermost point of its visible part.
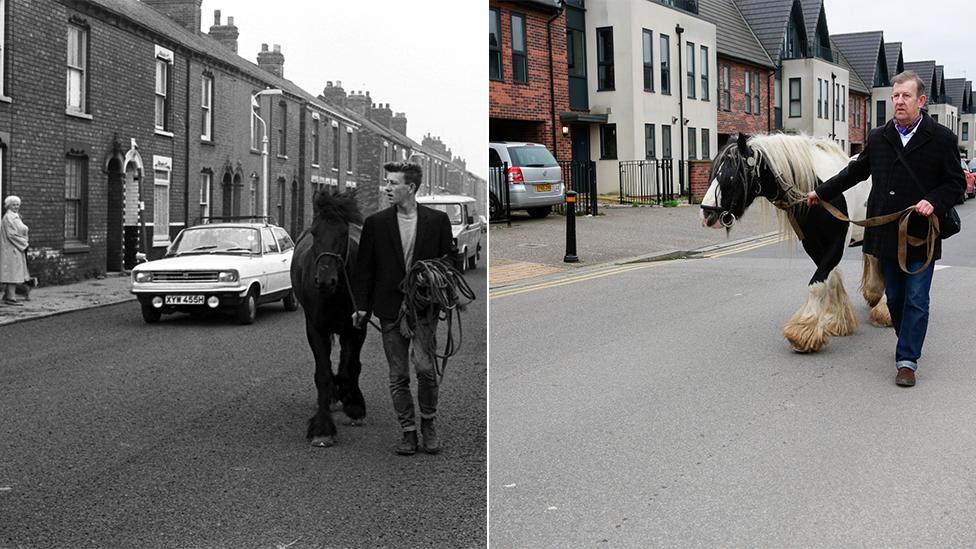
(534, 248)
(54, 300)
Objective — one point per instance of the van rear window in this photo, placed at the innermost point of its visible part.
(532, 157)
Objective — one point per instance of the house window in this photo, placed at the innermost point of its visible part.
(648, 37)
(690, 56)
(315, 141)
(252, 197)
(494, 45)
(649, 142)
(256, 127)
(880, 115)
(726, 88)
(704, 73)
(161, 206)
(665, 65)
(665, 141)
(692, 144)
(206, 179)
(281, 202)
(608, 141)
(282, 129)
(756, 96)
(795, 110)
(836, 104)
(965, 131)
(163, 102)
(206, 108)
(820, 98)
(520, 68)
(604, 59)
(748, 91)
(77, 88)
(706, 152)
(349, 149)
(335, 146)
(576, 52)
(75, 198)
(3, 44)
(843, 103)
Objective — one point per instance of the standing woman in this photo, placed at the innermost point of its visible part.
(13, 247)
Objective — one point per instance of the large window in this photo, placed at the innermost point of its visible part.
(965, 131)
(820, 98)
(520, 67)
(665, 64)
(206, 180)
(706, 152)
(576, 52)
(726, 88)
(163, 102)
(881, 116)
(748, 91)
(690, 56)
(349, 150)
(206, 108)
(75, 198)
(843, 102)
(704, 73)
(608, 141)
(648, 46)
(665, 141)
(315, 140)
(335, 146)
(649, 153)
(836, 102)
(692, 143)
(282, 129)
(494, 45)
(795, 106)
(256, 126)
(604, 59)
(756, 95)
(77, 82)
(161, 206)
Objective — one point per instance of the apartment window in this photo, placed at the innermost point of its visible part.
(256, 127)
(795, 110)
(335, 146)
(880, 115)
(756, 95)
(520, 68)
(77, 87)
(748, 89)
(282, 129)
(576, 52)
(161, 206)
(163, 103)
(281, 203)
(494, 45)
(836, 104)
(726, 88)
(690, 56)
(649, 153)
(965, 131)
(349, 150)
(692, 143)
(706, 152)
(665, 141)
(608, 141)
(820, 98)
(75, 198)
(665, 64)
(648, 44)
(604, 59)
(704, 73)
(206, 180)
(843, 102)
(315, 141)
(206, 108)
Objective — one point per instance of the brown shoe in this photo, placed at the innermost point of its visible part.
(905, 377)
(427, 430)
(407, 446)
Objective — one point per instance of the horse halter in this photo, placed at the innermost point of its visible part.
(750, 174)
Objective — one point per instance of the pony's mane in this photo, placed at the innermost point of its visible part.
(791, 157)
(341, 206)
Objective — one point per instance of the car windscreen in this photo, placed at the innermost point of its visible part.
(217, 240)
(530, 156)
(453, 211)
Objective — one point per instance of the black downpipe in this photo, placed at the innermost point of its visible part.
(186, 139)
(833, 119)
(552, 83)
(681, 114)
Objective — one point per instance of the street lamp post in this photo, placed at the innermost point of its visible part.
(264, 147)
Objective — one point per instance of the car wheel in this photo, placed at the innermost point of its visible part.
(472, 262)
(290, 302)
(459, 263)
(494, 207)
(539, 212)
(247, 310)
(151, 314)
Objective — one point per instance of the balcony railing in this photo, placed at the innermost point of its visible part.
(690, 6)
(815, 50)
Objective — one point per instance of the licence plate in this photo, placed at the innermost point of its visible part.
(184, 300)
(543, 188)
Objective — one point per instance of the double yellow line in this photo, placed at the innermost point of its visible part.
(743, 247)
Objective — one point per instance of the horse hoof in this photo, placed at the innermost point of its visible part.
(323, 441)
(357, 422)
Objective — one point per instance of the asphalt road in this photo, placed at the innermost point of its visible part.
(661, 407)
(191, 433)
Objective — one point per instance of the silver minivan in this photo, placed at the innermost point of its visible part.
(535, 181)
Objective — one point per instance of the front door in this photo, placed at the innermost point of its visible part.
(113, 237)
(580, 141)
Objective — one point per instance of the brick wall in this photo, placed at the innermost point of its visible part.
(532, 102)
(699, 172)
(857, 136)
(736, 120)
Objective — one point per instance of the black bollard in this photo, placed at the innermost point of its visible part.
(571, 228)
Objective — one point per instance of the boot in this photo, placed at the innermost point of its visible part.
(431, 444)
(407, 446)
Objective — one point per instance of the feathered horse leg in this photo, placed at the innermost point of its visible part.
(872, 288)
(838, 318)
(805, 330)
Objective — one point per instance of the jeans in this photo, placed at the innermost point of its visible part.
(908, 303)
(400, 353)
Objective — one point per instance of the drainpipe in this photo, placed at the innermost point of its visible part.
(552, 83)
(678, 29)
(833, 119)
(186, 159)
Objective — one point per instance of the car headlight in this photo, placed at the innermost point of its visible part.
(142, 276)
(227, 276)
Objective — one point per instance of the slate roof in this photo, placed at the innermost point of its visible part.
(856, 83)
(142, 15)
(768, 20)
(811, 15)
(892, 51)
(734, 37)
(925, 71)
(954, 89)
(861, 51)
(939, 77)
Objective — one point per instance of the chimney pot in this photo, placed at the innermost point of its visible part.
(230, 21)
(264, 47)
(217, 18)
(277, 48)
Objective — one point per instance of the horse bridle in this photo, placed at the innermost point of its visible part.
(751, 175)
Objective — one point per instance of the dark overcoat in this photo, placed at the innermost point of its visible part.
(380, 266)
(933, 155)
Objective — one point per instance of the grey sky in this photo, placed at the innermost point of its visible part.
(940, 30)
(423, 58)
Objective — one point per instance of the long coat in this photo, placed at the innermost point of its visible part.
(933, 155)
(13, 242)
(381, 267)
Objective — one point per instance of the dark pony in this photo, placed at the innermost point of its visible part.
(323, 258)
(782, 169)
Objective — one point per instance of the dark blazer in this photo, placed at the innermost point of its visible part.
(380, 266)
(933, 155)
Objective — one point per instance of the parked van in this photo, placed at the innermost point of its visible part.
(535, 181)
(465, 225)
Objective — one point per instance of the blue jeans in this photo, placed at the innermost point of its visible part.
(908, 303)
(400, 353)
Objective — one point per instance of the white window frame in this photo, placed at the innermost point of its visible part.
(3, 44)
(162, 178)
(165, 57)
(80, 232)
(206, 107)
(316, 139)
(206, 180)
(79, 70)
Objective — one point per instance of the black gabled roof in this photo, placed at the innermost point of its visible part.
(733, 35)
(940, 79)
(855, 82)
(861, 49)
(769, 20)
(811, 15)
(892, 55)
(925, 71)
(954, 88)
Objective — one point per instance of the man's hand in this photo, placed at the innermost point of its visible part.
(359, 318)
(812, 198)
(924, 208)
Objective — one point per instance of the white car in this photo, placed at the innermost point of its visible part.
(466, 226)
(228, 266)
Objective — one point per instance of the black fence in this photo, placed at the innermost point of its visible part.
(651, 181)
(499, 200)
(580, 176)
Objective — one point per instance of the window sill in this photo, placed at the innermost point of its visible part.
(161, 243)
(282, 157)
(608, 158)
(207, 142)
(335, 170)
(255, 151)
(314, 165)
(76, 248)
(76, 114)
(164, 133)
(606, 90)
(5, 99)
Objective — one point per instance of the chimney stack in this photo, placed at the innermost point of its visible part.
(382, 115)
(184, 12)
(359, 103)
(225, 34)
(399, 123)
(272, 61)
(333, 95)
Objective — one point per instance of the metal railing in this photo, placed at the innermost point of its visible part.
(580, 176)
(499, 199)
(650, 181)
